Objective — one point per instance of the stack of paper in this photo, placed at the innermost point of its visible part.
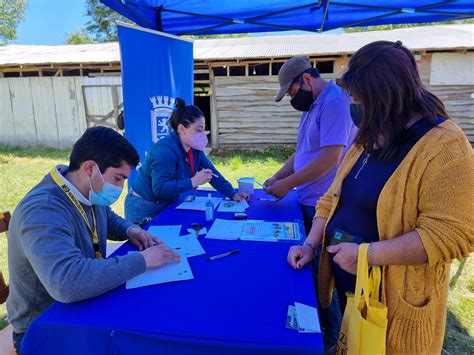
(187, 245)
(303, 318)
(225, 229)
(167, 273)
(168, 231)
(199, 203)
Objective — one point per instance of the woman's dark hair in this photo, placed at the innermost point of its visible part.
(184, 115)
(105, 146)
(384, 78)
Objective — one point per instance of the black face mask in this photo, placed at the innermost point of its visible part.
(302, 100)
(357, 112)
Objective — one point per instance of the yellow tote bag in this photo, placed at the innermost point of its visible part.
(364, 325)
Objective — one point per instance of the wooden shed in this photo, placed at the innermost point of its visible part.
(235, 83)
(243, 77)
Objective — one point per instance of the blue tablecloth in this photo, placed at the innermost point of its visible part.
(234, 305)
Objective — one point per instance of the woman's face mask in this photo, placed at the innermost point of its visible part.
(357, 113)
(108, 195)
(194, 135)
(198, 141)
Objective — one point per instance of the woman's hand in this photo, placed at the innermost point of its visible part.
(239, 196)
(300, 255)
(269, 182)
(346, 256)
(202, 177)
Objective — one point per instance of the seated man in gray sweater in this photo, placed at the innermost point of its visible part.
(58, 232)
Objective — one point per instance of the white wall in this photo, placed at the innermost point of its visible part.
(452, 69)
(50, 111)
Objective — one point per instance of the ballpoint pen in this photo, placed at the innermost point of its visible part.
(223, 255)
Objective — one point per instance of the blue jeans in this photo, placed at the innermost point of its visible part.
(330, 317)
(137, 208)
(17, 340)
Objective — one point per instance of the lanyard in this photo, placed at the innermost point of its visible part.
(191, 163)
(95, 238)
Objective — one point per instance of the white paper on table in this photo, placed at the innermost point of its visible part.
(232, 206)
(167, 273)
(199, 203)
(307, 318)
(201, 231)
(112, 246)
(185, 245)
(161, 231)
(226, 229)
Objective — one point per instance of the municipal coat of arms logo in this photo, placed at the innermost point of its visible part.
(160, 116)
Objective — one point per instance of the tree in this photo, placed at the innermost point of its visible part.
(78, 37)
(404, 25)
(12, 13)
(102, 27)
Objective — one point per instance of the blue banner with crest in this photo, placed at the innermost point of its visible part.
(157, 68)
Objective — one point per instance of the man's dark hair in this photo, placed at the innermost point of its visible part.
(104, 146)
(311, 71)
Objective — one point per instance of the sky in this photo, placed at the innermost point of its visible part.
(48, 21)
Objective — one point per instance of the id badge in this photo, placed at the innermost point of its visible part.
(344, 237)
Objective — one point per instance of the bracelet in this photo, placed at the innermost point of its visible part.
(305, 244)
(370, 256)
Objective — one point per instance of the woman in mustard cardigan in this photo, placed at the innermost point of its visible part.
(407, 188)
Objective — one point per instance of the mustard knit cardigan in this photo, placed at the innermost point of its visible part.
(432, 192)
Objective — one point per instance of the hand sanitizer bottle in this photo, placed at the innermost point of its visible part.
(209, 209)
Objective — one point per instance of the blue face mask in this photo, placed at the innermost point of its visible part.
(105, 197)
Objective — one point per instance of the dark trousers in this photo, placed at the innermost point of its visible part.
(330, 317)
(17, 339)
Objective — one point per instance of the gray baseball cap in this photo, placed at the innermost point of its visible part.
(288, 72)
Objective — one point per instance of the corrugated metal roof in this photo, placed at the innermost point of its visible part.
(417, 38)
(73, 54)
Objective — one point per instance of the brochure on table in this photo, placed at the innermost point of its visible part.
(253, 230)
(233, 206)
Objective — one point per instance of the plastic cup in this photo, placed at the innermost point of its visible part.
(246, 185)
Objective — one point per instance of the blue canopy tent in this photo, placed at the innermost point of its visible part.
(245, 16)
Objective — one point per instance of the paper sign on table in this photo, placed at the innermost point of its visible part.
(225, 229)
(307, 318)
(199, 203)
(185, 245)
(161, 231)
(232, 206)
(167, 273)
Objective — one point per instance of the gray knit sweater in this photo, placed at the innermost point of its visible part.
(51, 257)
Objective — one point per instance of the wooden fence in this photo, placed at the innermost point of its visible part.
(51, 110)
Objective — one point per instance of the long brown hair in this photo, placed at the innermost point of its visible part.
(384, 78)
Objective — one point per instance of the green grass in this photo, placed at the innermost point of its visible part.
(21, 169)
